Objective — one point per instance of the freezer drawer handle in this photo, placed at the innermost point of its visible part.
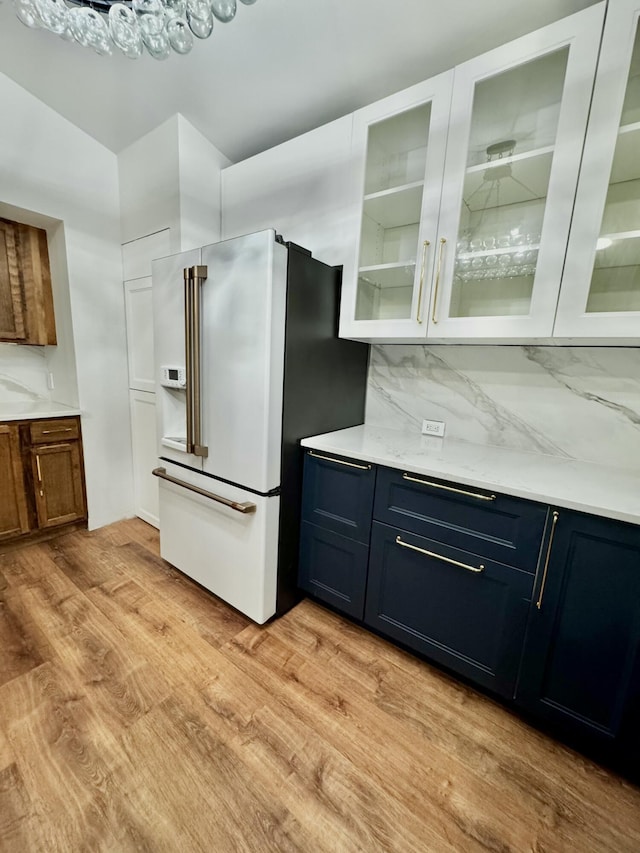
(339, 461)
(449, 488)
(444, 559)
(244, 508)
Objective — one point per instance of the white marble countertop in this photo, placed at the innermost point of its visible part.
(559, 481)
(26, 409)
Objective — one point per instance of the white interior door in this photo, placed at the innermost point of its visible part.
(143, 441)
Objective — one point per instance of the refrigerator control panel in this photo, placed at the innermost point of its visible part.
(173, 377)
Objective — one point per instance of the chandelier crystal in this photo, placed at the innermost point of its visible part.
(130, 26)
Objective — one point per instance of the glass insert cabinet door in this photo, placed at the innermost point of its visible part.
(402, 142)
(600, 294)
(518, 118)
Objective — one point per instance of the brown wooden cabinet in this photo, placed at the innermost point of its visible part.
(14, 518)
(42, 476)
(26, 299)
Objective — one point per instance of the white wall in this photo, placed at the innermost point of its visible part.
(50, 167)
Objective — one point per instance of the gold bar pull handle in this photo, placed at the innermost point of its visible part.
(425, 246)
(39, 475)
(436, 287)
(554, 521)
(339, 461)
(475, 569)
(199, 276)
(59, 429)
(245, 508)
(464, 492)
(188, 353)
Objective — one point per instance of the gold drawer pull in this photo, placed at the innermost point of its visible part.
(59, 429)
(556, 516)
(474, 569)
(425, 246)
(339, 461)
(449, 488)
(244, 508)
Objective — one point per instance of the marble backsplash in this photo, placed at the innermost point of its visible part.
(572, 402)
(23, 374)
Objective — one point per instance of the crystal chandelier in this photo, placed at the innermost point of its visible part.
(160, 26)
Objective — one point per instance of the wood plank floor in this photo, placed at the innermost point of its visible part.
(137, 712)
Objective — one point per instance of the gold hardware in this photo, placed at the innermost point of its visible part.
(476, 570)
(554, 521)
(339, 461)
(425, 246)
(200, 275)
(245, 508)
(60, 429)
(436, 287)
(39, 471)
(188, 299)
(449, 488)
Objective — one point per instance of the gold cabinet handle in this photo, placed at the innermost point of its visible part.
(436, 287)
(339, 461)
(244, 508)
(449, 488)
(38, 468)
(60, 429)
(554, 521)
(425, 246)
(475, 569)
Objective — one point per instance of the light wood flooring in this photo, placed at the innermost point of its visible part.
(137, 712)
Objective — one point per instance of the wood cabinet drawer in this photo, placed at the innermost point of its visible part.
(333, 568)
(58, 429)
(338, 494)
(462, 612)
(495, 526)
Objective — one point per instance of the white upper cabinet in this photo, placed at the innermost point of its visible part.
(467, 190)
(600, 294)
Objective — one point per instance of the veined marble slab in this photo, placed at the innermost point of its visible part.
(563, 482)
(25, 409)
(570, 402)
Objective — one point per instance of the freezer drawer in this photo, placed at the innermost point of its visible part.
(233, 554)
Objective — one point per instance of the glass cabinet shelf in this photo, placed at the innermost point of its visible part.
(392, 208)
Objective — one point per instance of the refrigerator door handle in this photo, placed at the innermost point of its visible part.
(245, 508)
(194, 277)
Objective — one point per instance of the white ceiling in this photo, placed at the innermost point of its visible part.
(280, 68)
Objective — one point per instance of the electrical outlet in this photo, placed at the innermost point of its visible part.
(433, 428)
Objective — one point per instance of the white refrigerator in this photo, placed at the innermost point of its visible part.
(248, 362)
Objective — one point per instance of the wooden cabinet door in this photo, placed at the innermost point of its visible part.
(581, 665)
(14, 518)
(57, 474)
(12, 320)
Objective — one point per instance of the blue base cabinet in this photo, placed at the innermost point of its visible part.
(539, 605)
(466, 613)
(581, 662)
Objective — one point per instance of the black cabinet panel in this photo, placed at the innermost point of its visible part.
(498, 527)
(582, 654)
(338, 494)
(333, 568)
(471, 621)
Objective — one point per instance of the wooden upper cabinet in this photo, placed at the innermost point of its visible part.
(26, 299)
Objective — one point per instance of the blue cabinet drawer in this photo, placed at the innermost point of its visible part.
(498, 527)
(333, 568)
(466, 613)
(338, 494)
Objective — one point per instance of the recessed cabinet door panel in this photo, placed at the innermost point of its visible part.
(581, 665)
(600, 294)
(12, 325)
(57, 472)
(338, 494)
(333, 568)
(463, 612)
(518, 115)
(13, 507)
(497, 526)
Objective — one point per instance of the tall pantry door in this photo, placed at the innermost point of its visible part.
(243, 321)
